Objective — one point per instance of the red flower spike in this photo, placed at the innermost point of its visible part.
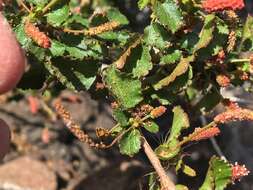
(220, 5)
(39, 37)
(158, 111)
(239, 171)
(234, 115)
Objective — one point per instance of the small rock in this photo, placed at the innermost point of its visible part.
(26, 173)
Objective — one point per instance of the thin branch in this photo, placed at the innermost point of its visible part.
(49, 6)
(21, 3)
(165, 181)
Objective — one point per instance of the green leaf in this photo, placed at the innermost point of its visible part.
(77, 19)
(156, 36)
(169, 14)
(171, 58)
(144, 64)
(206, 34)
(139, 62)
(219, 175)
(115, 15)
(120, 116)
(143, 3)
(130, 143)
(164, 152)
(180, 122)
(163, 97)
(180, 69)
(86, 74)
(73, 75)
(169, 149)
(58, 16)
(57, 48)
(126, 90)
(39, 3)
(56, 72)
(151, 126)
(21, 36)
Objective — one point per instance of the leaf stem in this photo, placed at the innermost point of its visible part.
(165, 181)
(239, 60)
(49, 6)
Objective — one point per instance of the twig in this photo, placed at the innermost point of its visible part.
(49, 5)
(165, 181)
(24, 6)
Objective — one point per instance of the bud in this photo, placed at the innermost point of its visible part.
(37, 36)
(239, 171)
(201, 133)
(223, 80)
(158, 111)
(220, 5)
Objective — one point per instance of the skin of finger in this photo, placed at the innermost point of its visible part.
(12, 59)
(5, 137)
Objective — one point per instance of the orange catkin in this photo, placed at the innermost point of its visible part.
(39, 37)
(220, 5)
(200, 134)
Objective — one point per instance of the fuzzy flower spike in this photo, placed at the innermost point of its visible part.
(220, 5)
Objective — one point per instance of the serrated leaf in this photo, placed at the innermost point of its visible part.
(28, 44)
(120, 116)
(144, 64)
(206, 34)
(21, 36)
(151, 126)
(164, 97)
(156, 36)
(219, 175)
(171, 58)
(115, 15)
(74, 76)
(58, 16)
(120, 63)
(86, 74)
(164, 152)
(139, 62)
(56, 72)
(57, 48)
(180, 69)
(130, 143)
(180, 122)
(126, 90)
(39, 3)
(169, 149)
(169, 14)
(77, 19)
